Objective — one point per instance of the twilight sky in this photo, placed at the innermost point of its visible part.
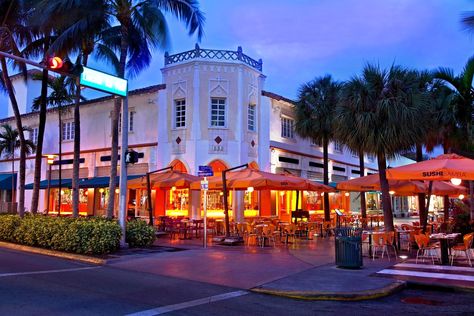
(301, 39)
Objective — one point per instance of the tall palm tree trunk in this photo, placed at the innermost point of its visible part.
(115, 116)
(446, 150)
(77, 144)
(363, 204)
(60, 152)
(386, 201)
(327, 210)
(77, 152)
(13, 178)
(16, 111)
(423, 208)
(39, 144)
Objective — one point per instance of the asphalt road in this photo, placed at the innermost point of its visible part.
(40, 285)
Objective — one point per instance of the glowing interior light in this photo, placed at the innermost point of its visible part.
(391, 192)
(347, 194)
(456, 181)
(461, 196)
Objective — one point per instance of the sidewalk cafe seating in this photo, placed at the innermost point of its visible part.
(267, 234)
(290, 232)
(425, 248)
(379, 242)
(250, 236)
(390, 242)
(328, 229)
(464, 247)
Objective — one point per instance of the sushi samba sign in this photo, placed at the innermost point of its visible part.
(104, 82)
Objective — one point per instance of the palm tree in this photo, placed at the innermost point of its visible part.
(463, 98)
(382, 118)
(141, 26)
(353, 143)
(60, 95)
(84, 25)
(13, 33)
(38, 47)
(463, 101)
(9, 143)
(315, 110)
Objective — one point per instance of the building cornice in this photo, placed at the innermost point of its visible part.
(87, 151)
(140, 91)
(318, 157)
(277, 97)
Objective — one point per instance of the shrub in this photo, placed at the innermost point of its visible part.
(139, 234)
(8, 225)
(79, 235)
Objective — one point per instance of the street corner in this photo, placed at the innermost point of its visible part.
(333, 295)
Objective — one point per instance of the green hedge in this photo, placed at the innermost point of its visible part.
(78, 235)
(139, 234)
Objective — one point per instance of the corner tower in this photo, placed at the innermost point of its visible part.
(212, 107)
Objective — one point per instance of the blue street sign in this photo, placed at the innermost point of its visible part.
(205, 171)
(205, 168)
(205, 174)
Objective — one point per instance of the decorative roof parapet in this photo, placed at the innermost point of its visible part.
(198, 52)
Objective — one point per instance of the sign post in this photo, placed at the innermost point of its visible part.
(205, 171)
(204, 187)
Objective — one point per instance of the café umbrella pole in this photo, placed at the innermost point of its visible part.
(226, 207)
(427, 208)
(148, 189)
(205, 214)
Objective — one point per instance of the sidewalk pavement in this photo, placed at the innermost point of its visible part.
(305, 270)
(327, 282)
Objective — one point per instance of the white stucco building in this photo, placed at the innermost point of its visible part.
(212, 108)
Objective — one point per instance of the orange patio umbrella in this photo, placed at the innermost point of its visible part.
(164, 180)
(400, 187)
(444, 167)
(372, 183)
(261, 180)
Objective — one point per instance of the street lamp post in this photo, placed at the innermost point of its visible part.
(50, 161)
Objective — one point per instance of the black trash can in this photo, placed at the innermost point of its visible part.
(348, 247)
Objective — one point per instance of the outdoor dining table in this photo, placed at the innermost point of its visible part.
(370, 233)
(185, 227)
(403, 232)
(444, 241)
(320, 224)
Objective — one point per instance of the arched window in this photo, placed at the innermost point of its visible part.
(254, 165)
(178, 165)
(218, 166)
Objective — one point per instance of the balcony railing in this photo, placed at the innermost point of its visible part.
(200, 53)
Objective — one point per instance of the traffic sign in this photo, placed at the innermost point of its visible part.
(204, 185)
(104, 82)
(205, 171)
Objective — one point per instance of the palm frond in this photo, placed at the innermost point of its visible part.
(187, 11)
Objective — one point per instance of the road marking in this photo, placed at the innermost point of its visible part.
(45, 272)
(433, 267)
(430, 275)
(201, 301)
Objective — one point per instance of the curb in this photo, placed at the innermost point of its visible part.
(335, 296)
(54, 253)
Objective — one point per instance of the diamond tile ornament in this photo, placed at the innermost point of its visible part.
(178, 140)
(252, 143)
(218, 140)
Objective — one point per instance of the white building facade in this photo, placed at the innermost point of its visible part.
(211, 109)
